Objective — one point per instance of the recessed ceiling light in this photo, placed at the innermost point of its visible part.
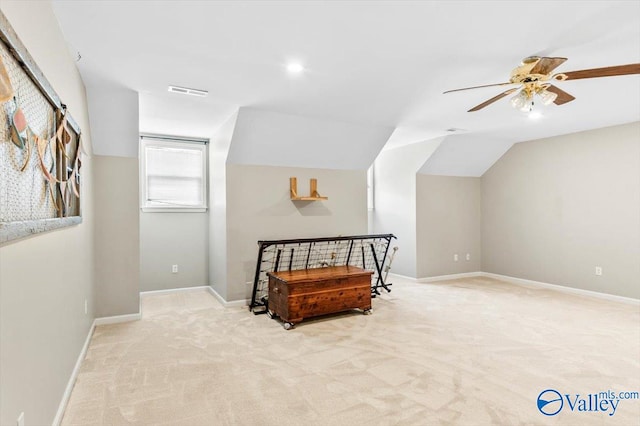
(534, 115)
(294, 68)
(187, 91)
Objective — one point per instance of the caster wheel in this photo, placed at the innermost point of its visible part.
(368, 311)
(287, 326)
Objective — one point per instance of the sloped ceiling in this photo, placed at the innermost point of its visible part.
(465, 155)
(276, 139)
(379, 64)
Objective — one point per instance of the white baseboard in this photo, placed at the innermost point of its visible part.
(74, 375)
(404, 277)
(524, 282)
(210, 289)
(561, 288)
(231, 304)
(118, 319)
(174, 290)
(449, 277)
(438, 278)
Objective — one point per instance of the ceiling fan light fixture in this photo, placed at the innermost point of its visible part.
(521, 101)
(535, 71)
(528, 106)
(547, 97)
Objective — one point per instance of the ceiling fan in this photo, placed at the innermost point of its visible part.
(535, 78)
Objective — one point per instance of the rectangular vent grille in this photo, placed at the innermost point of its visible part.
(187, 91)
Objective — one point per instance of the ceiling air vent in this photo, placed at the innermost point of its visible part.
(187, 91)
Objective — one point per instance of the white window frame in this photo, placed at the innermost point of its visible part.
(371, 193)
(172, 142)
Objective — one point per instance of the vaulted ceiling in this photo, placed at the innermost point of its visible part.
(366, 63)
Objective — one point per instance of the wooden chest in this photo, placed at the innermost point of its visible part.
(295, 295)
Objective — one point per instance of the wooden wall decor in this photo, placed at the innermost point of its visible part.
(40, 147)
(314, 195)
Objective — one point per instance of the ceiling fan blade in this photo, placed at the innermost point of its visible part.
(492, 100)
(477, 87)
(546, 65)
(563, 97)
(604, 72)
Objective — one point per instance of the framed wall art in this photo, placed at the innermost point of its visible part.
(40, 148)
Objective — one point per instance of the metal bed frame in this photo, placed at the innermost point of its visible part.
(366, 251)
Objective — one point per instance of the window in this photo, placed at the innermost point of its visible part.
(173, 174)
(370, 189)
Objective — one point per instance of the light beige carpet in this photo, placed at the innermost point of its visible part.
(469, 352)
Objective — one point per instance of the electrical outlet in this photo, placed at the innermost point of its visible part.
(20, 421)
(455, 257)
(598, 270)
(468, 256)
(86, 307)
(174, 269)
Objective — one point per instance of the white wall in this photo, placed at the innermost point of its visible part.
(114, 127)
(554, 209)
(448, 222)
(395, 199)
(114, 118)
(259, 208)
(275, 139)
(45, 279)
(218, 150)
(168, 239)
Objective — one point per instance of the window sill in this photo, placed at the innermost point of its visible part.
(173, 210)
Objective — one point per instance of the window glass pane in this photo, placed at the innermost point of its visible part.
(174, 177)
(174, 162)
(171, 191)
